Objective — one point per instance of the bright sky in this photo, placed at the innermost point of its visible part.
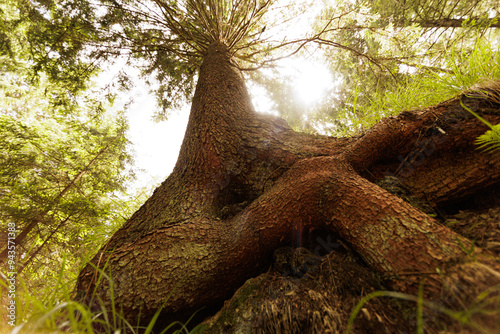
(311, 80)
(156, 144)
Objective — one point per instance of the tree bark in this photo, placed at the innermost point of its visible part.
(458, 23)
(246, 184)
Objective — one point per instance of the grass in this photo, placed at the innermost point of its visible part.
(52, 310)
(467, 70)
(464, 317)
(491, 139)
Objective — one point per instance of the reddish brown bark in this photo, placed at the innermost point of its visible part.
(459, 23)
(245, 183)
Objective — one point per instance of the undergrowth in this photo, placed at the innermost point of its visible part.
(51, 310)
(464, 317)
(465, 70)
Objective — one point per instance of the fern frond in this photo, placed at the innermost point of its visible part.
(490, 140)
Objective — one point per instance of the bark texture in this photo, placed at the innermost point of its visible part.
(246, 184)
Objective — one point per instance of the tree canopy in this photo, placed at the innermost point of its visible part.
(64, 157)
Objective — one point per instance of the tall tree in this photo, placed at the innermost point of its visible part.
(372, 47)
(439, 14)
(245, 183)
(63, 150)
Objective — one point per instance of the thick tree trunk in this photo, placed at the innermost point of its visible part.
(246, 184)
(458, 23)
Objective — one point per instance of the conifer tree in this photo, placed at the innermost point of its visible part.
(246, 183)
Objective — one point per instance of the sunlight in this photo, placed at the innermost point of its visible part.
(260, 99)
(155, 145)
(311, 80)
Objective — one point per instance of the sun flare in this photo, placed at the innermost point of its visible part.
(311, 80)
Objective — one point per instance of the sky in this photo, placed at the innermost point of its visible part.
(155, 144)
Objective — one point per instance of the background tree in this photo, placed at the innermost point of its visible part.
(402, 40)
(377, 47)
(431, 14)
(64, 158)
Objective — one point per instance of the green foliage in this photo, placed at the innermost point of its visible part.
(466, 70)
(64, 161)
(51, 36)
(380, 47)
(491, 139)
(42, 152)
(64, 169)
(168, 39)
(433, 13)
(52, 309)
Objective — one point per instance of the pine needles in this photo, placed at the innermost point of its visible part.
(52, 309)
(201, 23)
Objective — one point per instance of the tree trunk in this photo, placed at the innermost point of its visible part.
(458, 23)
(246, 184)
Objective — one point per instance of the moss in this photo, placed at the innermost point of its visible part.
(395, 186)
(240, 311)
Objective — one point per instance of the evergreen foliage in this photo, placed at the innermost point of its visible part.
(169, 38)
(376, 47)
(50, 36)
(468, 70)
(64, 160)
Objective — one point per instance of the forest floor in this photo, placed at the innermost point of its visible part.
(316, 287)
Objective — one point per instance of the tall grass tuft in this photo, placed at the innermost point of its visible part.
(465, 70)
(463, 318)
(52, 310)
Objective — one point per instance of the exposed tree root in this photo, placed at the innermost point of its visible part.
(245, 184)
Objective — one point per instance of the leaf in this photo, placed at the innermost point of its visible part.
(490, 140)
